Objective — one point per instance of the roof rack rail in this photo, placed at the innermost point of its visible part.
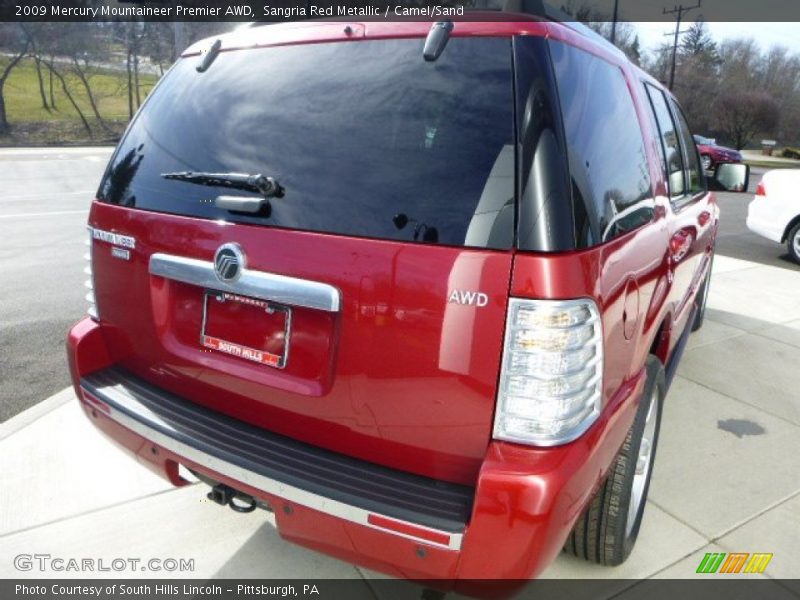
(537, 8)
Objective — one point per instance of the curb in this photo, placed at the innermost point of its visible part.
(36, 412)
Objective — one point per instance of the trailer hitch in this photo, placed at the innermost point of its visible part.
(227, 496)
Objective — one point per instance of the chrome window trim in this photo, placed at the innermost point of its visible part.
(291, 291)
(110, 396)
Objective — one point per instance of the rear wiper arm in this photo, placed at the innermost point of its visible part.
(266, 186)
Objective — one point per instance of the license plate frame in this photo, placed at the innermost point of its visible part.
(245, 352)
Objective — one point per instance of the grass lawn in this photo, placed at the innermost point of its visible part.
(775, 164)
(754, 158)
(31, 123)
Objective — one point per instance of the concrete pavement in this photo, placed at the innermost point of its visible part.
(725, 480)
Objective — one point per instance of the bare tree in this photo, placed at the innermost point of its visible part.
(86, 47)
(695, 75)
(129, 34)
(14, 39)
(625, 36)
(740, 58)
(778, 73)
(33, 33)
(82, 69)
(81, 49)
(159, 44)
(65, 88)
(742, 115)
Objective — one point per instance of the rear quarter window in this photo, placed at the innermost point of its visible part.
(367, 138)
(695, 178)
(672, 159)
(680, 159)
(611, 189)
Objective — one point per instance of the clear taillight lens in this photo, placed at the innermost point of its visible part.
(551, 379)
(89, 283)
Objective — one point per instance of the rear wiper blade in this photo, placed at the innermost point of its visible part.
(266, 186)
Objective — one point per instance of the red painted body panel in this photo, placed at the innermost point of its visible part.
(525, 503)
(320, 32)
(400, 377)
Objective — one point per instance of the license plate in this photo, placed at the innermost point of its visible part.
(248, 328)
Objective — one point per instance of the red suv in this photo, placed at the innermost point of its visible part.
(417, 288)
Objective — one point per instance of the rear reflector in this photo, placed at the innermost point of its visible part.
(410, 530)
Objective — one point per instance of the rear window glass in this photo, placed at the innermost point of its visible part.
(367, 138)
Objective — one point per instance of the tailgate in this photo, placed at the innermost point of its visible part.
(363, 312)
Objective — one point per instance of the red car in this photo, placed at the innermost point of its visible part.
(417, 288)
(712, 154)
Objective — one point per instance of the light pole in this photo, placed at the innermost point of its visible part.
(680, 10)
(614, 22)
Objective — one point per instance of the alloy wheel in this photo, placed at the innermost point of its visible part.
(644, 461)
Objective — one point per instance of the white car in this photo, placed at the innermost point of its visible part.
(775, 211)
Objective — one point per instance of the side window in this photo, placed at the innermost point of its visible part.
(670, 142)
(611, 192)
(651, 115)
(695, 179)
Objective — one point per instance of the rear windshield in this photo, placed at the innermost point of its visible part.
(367, 139)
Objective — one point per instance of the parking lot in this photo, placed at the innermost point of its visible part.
(43, 207)
(726, 476)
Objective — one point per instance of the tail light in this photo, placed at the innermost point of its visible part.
(761, 190)
(551, 378)
(87, 269)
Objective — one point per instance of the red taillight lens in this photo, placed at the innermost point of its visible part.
(551, 385)
(761, 190)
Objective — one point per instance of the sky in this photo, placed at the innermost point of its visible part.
(766, 34)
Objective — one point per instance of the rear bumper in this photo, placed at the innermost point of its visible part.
(522, 508)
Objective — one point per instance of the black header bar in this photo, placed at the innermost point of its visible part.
(419, 10)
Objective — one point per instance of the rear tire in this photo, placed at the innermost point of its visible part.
(607, 530)
(793, 243)
(702, 296)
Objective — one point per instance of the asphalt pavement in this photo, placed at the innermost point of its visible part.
(44, 202)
